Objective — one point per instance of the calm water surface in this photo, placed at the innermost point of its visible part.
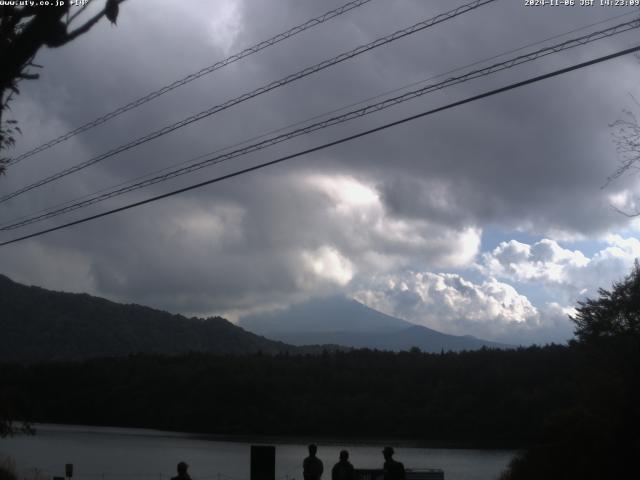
(123, 454)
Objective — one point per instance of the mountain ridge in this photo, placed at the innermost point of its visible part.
(42, 325)
(352, 324)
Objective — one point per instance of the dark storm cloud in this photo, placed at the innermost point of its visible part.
(533, 159)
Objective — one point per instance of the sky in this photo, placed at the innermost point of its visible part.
(491, 219)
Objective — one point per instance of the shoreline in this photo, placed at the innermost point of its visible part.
(404, 442)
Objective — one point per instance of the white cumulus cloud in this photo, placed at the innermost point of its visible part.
(544, 261)
(449, 302)
(328, 264)
(571, 273)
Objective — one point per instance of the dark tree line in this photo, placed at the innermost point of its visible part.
(483, 398)
(599, 435)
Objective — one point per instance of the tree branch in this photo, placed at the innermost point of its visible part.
(87, 26)
(80, 10)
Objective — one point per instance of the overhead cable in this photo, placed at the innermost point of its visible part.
(331, 144)
(266, 88)
(376, 107)
(194, 76)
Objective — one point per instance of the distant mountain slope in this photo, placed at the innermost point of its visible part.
(341, 321)
(329, 314)
(424, 338)
(39, 325)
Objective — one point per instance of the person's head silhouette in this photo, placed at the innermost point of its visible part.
(313, 449)
(387, 453)
(344, 455)
(182, 468)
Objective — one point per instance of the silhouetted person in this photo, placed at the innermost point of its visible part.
(392, 470)
(182, 472)
(312, 467)
(343, 470)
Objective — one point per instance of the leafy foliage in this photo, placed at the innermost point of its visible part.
(615, 313)
(599, 437)
(7, 140)
(24, 30)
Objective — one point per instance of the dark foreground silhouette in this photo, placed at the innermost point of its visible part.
(312, 466)
(393, 470)
(182, 472)
(343, 470)
(576, 406)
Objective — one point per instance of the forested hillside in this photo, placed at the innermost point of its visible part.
(40, 325)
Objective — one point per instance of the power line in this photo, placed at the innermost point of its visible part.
(333, 143)
(266, 88)
(332, 121)
(519, 60)
(194, 76)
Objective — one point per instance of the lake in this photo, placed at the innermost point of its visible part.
(100, 453)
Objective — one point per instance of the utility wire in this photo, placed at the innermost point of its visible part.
(519, 60)
(266, 88)
(316, 117)
(194, 76)
(333, 143)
